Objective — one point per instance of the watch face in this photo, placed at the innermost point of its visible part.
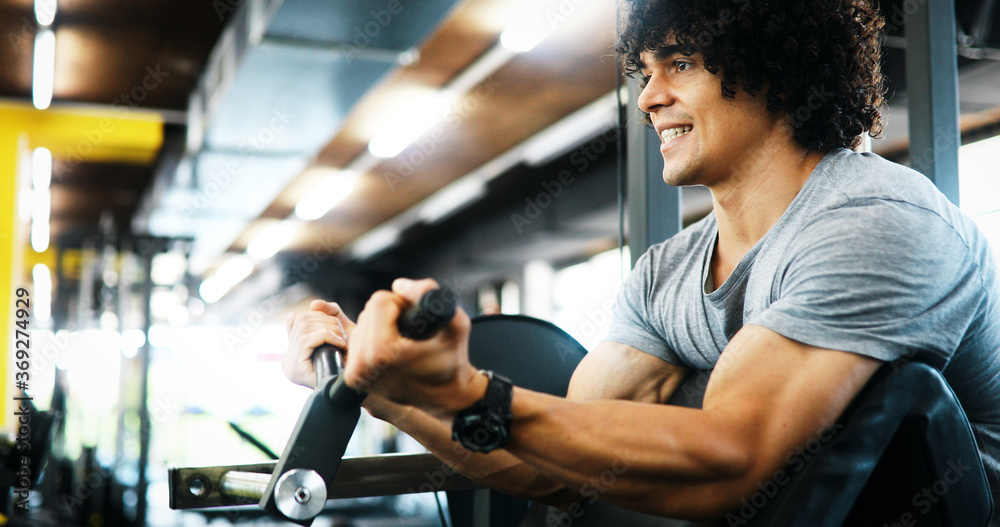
(482, 433)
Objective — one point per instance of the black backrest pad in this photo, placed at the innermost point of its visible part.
(532, 353)
(904, 434)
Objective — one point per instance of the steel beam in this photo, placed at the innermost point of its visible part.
(932, 93)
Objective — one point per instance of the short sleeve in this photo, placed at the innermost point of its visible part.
(631, 322)
(880, 278)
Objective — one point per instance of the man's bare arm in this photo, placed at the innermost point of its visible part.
(610, 371)
(767, 396)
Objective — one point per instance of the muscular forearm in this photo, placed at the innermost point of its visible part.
(498, 470)
(658, 459)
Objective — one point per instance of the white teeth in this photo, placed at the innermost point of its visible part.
(673, 133)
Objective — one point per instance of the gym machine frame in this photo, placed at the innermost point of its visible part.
(312, 468)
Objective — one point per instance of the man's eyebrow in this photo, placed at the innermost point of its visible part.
(664, 52)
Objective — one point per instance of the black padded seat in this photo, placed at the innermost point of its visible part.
(903, 454)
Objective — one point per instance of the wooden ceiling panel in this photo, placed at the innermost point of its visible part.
(458, 42)
(544, 86)
(86, 53)
(17, 25)
(106, 50)
(81, 196)
(570, 69)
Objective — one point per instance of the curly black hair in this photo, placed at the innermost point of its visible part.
(819, 60)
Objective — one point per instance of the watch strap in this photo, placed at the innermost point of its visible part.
(492, 411)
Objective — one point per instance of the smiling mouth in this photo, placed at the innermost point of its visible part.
(673, 133)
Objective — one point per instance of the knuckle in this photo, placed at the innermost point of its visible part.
(379, 297)
(462, 321)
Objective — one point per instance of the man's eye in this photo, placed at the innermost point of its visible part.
(681, 65)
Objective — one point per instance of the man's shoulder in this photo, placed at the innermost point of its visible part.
(853, 176)
(864, 191)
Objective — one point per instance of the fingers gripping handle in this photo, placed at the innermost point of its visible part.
(331, 413)
(421, 321)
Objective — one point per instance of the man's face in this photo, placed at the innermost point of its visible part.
(704, 138)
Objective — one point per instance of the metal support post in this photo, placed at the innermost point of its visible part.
(146, 249)
(932, 92)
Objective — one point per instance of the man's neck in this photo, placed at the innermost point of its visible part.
(752, 199)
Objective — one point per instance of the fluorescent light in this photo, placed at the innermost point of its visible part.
(41, 277)
(525, 35)
(212, 289)
(272, 239)
(328, 193)
(45, 12)
(39, 236)
(40, 211)
(392, 141)
(573, 130)
(225, 277)
(375, 241)
(41, 168)
(234, 270)
(450, 199)
(42, 206)
(44, 69)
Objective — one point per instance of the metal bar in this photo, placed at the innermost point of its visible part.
(932, 93)
(983, 24)
(357, 477)
(481, 508)
(341, 49)
(654, 208)
(146, 250)
(320, 437)
(243, 484)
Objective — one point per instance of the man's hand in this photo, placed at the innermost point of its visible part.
(324, 323)
(434, 375)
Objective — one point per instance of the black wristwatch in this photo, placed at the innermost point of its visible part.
(485, 426)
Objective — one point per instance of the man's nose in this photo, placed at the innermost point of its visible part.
(653, 95)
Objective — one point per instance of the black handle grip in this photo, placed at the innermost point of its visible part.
(422, 321)
(433, 312)
(326, 361)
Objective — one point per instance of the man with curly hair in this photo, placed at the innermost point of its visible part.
(816, 266)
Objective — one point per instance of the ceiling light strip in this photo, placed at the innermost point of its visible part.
(391, 141)
(378, 240)
(43, 69)
(45, 12)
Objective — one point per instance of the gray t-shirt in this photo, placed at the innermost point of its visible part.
(869, 258)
